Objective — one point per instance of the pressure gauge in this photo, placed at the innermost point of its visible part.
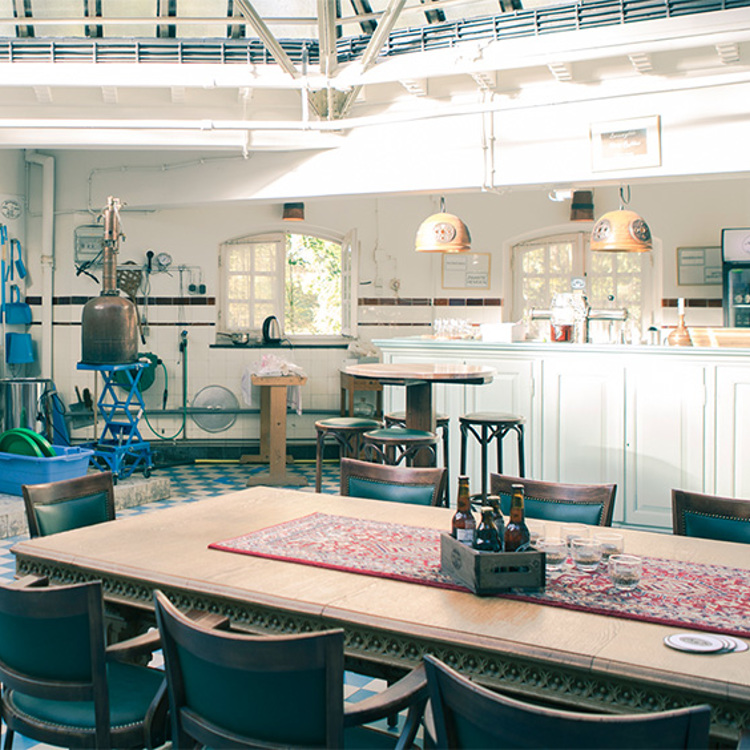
(163, 261)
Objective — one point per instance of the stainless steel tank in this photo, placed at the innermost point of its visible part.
(109, 324)
(25, 402)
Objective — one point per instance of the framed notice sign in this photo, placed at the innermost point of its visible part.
(626, 144)
(466, 270)
(699, 265)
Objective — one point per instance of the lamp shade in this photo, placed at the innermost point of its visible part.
(293, 212)
(621, 231)
(443, 233)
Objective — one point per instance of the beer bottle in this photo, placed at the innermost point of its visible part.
(517, 535)
(463, 523)
(497, 516)
(486, 537)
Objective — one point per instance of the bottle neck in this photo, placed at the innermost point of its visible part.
(516, 509)
(463, 502)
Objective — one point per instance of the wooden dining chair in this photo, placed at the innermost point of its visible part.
(69, 503)
(230, 689)
(710, 517)
(466, 715)
(61, 686)
(403, 484)
(552, 501)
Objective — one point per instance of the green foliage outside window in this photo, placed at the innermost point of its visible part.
(313, 286)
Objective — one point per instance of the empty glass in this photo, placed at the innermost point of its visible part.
(611, 543)
(586, 553)
(625, 571)
(536, 533)
(555, 551)
(571, 531)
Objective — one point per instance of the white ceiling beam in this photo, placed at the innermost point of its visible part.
(563, 72)
(641, 62)
(268, 39)
(415, 86)
(729, 52)
(485, 80)
(109, 94)
(43, 94)
(327, 36)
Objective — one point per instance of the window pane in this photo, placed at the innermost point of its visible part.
(265, 257)
(239, 287)
(239, 258)
(561, 258)
(263, 287)
(533, 260)
(238, 317)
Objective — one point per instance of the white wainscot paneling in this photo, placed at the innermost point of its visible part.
(733, 431)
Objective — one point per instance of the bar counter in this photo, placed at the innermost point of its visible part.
(648, 418)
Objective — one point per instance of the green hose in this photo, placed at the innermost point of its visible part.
(164, 405)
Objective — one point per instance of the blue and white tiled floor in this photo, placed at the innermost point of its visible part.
(192, 482)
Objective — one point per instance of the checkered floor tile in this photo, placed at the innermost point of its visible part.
(193, 482)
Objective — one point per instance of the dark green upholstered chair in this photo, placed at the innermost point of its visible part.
(237, 690)
(466, 715)
(710, 517)
(403, 484)
(69, 503)
(553, 501)
(60, 685)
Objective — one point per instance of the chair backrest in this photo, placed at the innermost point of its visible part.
(230, 689)
(52, 646)
(552, 501)
(710, 517)
(403, 484)
(69, 503)
(467, 715)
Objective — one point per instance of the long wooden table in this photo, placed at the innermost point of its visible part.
(571, 658)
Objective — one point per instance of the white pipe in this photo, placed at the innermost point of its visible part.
(47, 163)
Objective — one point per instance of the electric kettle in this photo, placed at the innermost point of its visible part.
(271, 330)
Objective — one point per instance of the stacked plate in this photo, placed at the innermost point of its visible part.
(25, 442)
(703, 643)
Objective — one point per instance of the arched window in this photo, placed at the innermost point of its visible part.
(302, 279)
(545, 265)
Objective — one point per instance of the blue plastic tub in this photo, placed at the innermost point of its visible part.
(16, 470)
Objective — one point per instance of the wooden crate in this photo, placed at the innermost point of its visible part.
(491, 572)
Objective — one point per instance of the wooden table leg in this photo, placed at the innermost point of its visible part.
(419, 414)
(273, 440)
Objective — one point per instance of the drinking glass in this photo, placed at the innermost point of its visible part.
(625, 571)
(611, 543)
(571, 531)
(536, 533)
(555, 551)
(586, 553)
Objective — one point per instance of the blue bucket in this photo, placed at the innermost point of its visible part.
(19, 348)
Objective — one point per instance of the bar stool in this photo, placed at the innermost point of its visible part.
(398, 419)
(492, 426)
(394, 445)
(347, 432)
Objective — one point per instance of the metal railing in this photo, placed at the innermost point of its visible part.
(522, 23)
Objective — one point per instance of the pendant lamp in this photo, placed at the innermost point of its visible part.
(621, 231)
(293, 212)
(443, 233)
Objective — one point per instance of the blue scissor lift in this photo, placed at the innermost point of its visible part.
(120, 447)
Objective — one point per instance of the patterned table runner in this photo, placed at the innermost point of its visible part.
(715, 598)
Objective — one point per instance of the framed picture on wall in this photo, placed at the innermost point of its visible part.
(626, 144)
(466, 270)
(699, 266)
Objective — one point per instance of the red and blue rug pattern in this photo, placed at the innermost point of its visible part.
(714, 598)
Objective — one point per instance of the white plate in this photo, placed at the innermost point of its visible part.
(695, 642)
(734, 644)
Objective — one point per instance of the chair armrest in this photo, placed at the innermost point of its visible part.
(744, 742)
(410, 690)
(138, 645)
(30, 581)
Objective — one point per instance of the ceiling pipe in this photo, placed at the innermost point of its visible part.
(47, 163)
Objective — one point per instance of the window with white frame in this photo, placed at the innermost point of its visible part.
(304, 280)
(544, 266)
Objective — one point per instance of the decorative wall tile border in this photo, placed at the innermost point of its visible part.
(694, 302)
(427, 302)
(162, 301)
